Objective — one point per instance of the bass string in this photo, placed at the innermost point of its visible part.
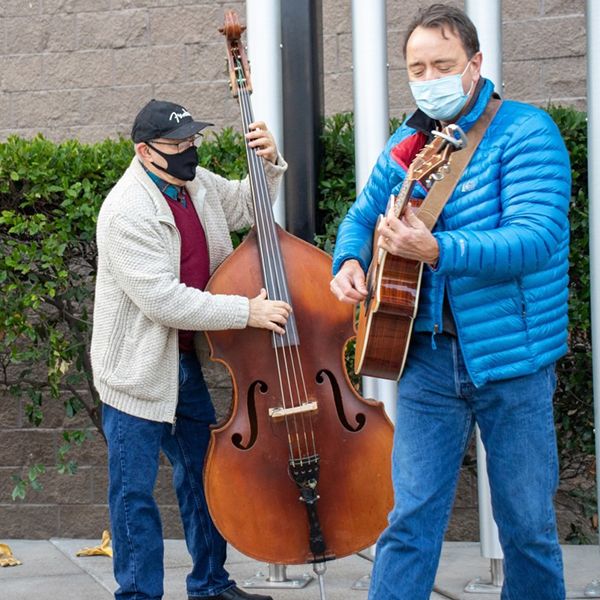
(298, 437)
(294, 376)
(301, 438)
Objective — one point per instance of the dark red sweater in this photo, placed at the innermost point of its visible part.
(195, 267)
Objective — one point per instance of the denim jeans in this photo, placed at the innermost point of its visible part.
(437, 407)
(134, 446)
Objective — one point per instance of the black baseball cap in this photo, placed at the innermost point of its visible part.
(162, 119)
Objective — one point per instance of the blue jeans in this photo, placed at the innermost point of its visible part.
(134, 446)
(437, 407)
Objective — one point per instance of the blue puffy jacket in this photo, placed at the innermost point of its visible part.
(503, 239)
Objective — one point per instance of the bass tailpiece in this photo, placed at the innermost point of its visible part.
(305, 473)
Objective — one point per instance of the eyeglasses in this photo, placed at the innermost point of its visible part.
(183, 144)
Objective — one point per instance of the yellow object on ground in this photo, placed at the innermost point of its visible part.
(6, 557)
(103, 549)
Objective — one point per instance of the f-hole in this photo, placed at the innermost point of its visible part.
(339, 405)
(237, 438)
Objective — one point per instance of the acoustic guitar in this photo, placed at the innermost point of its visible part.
(386, 315)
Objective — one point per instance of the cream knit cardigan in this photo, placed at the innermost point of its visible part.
(140, 303)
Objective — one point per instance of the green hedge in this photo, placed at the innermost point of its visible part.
(50, 195)
(574, 398)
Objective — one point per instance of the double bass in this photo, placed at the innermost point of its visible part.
(300, 472)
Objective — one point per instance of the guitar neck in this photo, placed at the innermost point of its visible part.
(401, 200)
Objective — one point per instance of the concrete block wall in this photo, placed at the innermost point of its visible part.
(82, 68)
(75, 505)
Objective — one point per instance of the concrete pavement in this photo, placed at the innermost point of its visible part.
(51, 571)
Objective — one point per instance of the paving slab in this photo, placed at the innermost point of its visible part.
(53, 566)
(46, 573)
(52, 570)
(461, 563)
(339, 577)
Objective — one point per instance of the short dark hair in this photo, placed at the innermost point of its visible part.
(441, 16)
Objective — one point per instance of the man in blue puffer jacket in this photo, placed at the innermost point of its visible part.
(492, 318)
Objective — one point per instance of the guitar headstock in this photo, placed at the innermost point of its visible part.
(431, 163)
(239, 69)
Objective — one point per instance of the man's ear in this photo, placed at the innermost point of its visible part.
(477, 60)
(142, 150)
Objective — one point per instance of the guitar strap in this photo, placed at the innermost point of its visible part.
(431, 208)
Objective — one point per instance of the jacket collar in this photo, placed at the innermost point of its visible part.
(167, 189)
(194, 188)
(139, 173)
(484, 90)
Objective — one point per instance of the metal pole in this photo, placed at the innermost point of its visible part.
(370, 85)
(487, 17)
(302, 60)
(371, 132)
(263, 19)
(593, 130)
(371, 125)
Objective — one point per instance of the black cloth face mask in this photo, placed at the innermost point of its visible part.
(182, 165)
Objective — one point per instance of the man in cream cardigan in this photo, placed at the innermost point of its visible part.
(162, 230)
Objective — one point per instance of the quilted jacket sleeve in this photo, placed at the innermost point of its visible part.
(355, 235)
(534, 192)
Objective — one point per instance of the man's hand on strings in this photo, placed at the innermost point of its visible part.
(268, 314)
(262, 139)
(408, 237)
(349, 284)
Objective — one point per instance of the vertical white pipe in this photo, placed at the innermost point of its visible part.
(593, 130)
(488, 530)
(592, 590)
(369, 59)
(487, 17)
(371, 125)
(263, 19)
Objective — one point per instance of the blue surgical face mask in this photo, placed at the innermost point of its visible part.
(442, 98)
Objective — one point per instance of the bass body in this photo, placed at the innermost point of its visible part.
(301, 470)
(254, 500)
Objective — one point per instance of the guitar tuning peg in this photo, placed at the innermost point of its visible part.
(445, 169)
(428, 182)
(437, 176)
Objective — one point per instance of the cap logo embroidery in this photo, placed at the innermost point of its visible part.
(179, 116)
